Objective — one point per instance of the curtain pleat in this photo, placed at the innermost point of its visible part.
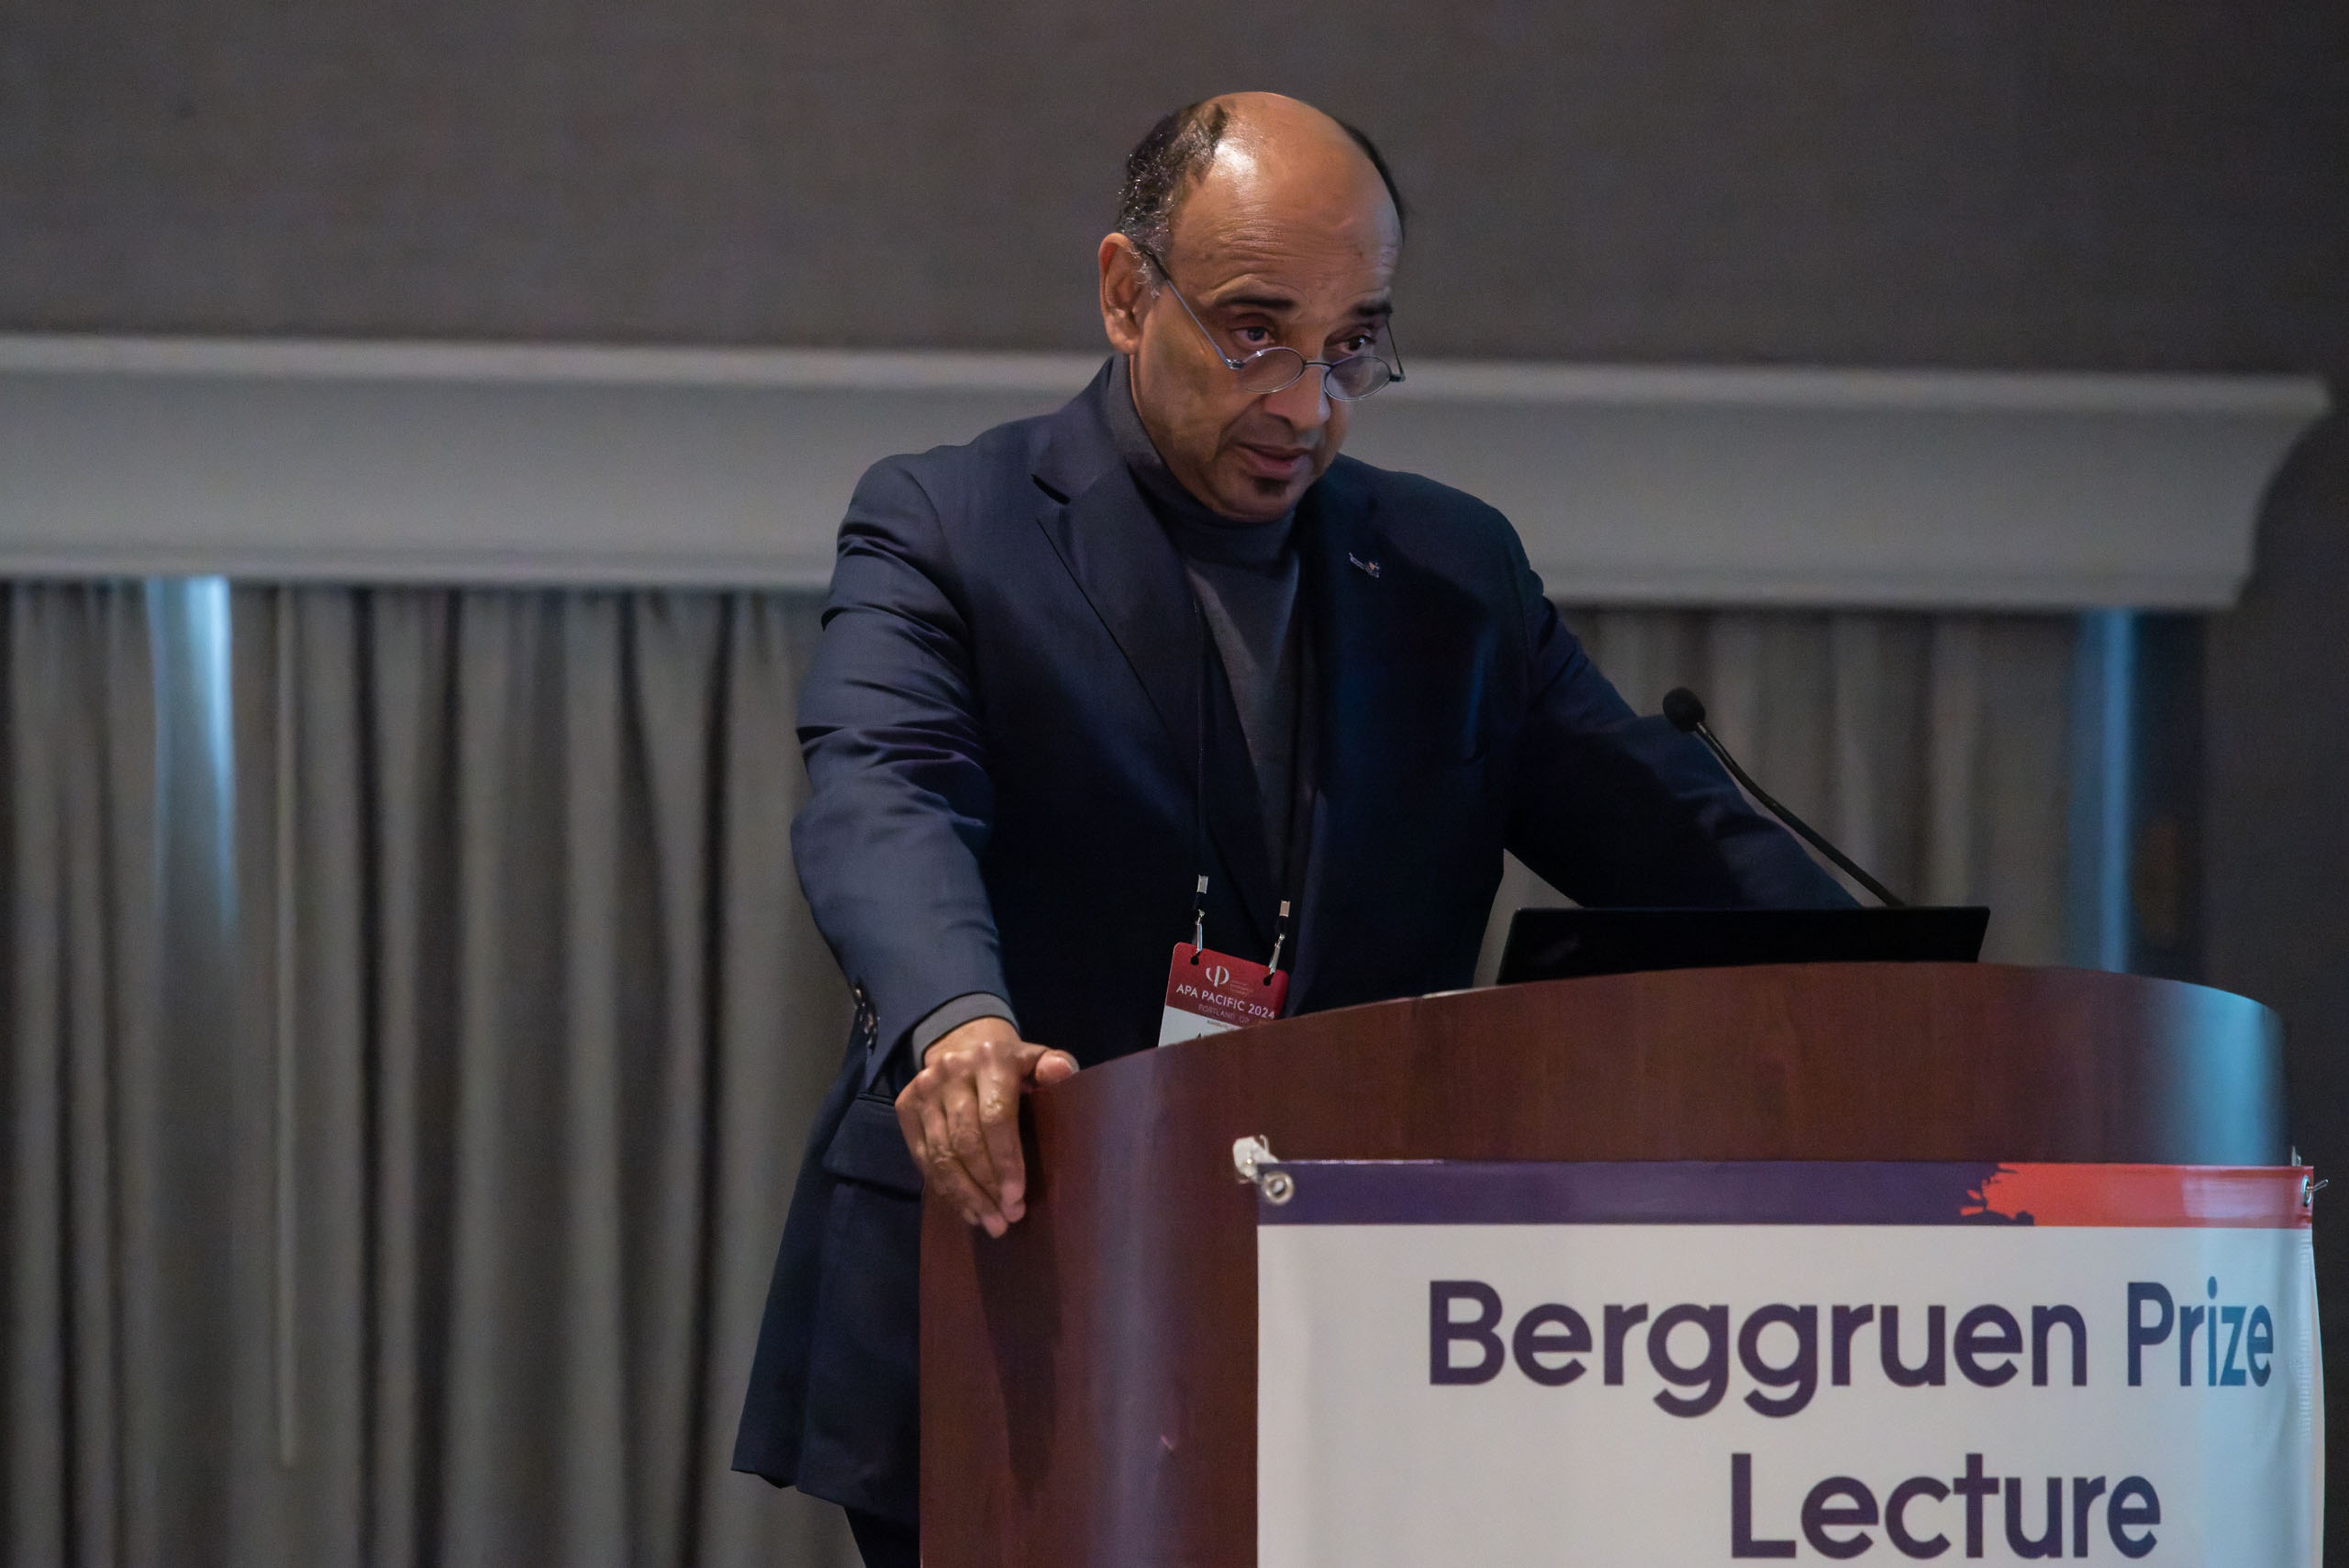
(81, 1478)
(781, 1020)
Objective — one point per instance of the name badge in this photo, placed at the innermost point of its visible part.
(1209, 992)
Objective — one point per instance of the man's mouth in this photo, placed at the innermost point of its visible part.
(1275, 462)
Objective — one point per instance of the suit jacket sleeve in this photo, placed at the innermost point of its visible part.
(1610, 807)
(900, 805)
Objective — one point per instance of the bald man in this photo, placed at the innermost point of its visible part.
(1137, 678)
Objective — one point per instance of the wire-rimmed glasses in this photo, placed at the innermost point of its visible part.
(1278, 368)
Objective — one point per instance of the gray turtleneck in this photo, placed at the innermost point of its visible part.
(1244, 576)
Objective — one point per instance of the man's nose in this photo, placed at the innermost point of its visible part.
(1304, 403)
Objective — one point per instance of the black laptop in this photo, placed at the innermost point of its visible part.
(1562, 943)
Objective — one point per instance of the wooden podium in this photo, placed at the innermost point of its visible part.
(1089, 1381)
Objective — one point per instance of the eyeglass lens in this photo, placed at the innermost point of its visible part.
(1275, 369)
(1270, 371)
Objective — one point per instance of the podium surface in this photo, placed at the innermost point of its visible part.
(1089, 1381)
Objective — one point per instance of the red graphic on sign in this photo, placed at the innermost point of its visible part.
(2246, 1196)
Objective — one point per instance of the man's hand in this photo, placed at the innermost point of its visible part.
(960, 1117)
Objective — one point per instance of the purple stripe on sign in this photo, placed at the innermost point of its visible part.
(1630, 1192)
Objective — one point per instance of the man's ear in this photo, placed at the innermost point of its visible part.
(1124, 293)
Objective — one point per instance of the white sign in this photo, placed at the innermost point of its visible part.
(1636, 1364)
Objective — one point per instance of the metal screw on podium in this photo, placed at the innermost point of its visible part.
(1253, 1159)
(1248, 1153)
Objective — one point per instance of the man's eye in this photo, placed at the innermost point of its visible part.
(1358, 344)
(1256, 336)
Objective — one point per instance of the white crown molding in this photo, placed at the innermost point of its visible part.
(309, 460)
(549, 364)
(947, 370)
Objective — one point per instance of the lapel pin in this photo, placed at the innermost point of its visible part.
(1371, 567)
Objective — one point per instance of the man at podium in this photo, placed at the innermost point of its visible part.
(1161, 673)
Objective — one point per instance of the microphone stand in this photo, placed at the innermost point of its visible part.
(1686, 714)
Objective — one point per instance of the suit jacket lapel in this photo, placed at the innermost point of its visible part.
(1338, 545)
(1128, 570)
(1104, 532)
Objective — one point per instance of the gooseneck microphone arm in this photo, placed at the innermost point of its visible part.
(1686, 714)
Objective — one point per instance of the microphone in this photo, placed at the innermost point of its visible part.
(1686, 714)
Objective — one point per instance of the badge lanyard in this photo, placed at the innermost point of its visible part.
(1209, 992)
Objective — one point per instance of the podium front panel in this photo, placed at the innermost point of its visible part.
(1089, 1385)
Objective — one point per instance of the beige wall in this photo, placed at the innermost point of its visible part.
(1950, 181)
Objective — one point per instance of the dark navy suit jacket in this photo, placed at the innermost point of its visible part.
(1002, 727)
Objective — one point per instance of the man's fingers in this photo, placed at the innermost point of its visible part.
(960, 1117)
(977, 1208)
(960, 1099)
(941, 1166)
(997, 1093)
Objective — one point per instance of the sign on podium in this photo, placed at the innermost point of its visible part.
(1696, 1363)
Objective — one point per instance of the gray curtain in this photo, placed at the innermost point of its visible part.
(544, 1019)
(84, 1464)
(404, 1092)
